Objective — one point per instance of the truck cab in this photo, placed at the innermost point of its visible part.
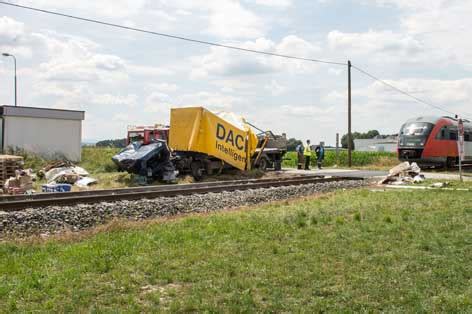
(147, 134)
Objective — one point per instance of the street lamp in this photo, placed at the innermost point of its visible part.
(14, 59)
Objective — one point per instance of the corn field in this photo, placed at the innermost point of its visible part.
(359, 159)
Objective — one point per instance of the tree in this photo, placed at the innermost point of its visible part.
(120, 143)
(371, 134)
(357, 135)
(292, 144)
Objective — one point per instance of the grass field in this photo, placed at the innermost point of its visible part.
(349, 251)
(374, 160)
(96, 160)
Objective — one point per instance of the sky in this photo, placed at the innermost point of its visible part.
(123, 78)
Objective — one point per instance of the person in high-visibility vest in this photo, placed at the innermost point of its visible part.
(307, 155)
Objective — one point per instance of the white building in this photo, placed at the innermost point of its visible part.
(376, 145)
(51, 133)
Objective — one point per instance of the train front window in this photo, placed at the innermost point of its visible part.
(415, 134)
(416, 129)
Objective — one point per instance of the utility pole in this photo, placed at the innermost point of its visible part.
(460, 146)
(14, 60)
(337, 149)
(349, 134)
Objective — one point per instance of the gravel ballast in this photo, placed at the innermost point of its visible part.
(53, 219)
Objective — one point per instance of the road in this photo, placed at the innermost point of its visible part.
(372, 173)
(339, 172)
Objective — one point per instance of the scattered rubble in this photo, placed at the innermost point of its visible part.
(440, 184)
(54, 219)
(62, 173)
(403, 173)
(9, 164)
(21, 183)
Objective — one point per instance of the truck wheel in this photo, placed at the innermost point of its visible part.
(197, 170)
(278, 166)
(262, 165)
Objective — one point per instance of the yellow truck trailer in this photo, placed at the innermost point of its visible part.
(200, 142)
(225, 138)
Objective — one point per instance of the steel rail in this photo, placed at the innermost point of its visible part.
(148, 188)
(16, 203)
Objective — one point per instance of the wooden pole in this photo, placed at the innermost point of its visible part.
(337, 149)
(349, 134)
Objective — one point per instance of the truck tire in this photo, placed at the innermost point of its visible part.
(262, 165)
(277, 165)
(197, 170)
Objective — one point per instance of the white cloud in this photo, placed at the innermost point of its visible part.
(376, 44)
(212, 100)
(116, 100)
(224, 62)
(322, 113)
(14, 38)
(109, 8)
(275, 88)
(157, 97)
(439, 27)
(408, 4)
(150, 71)
(106, 68)
(10, 30)
(121, 117)
(222, 18)
(452, 95)
(166, 88)
(275, 3)
(228, 19)
(159, 104)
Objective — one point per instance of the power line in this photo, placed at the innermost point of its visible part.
(208, 43)
(403, 92)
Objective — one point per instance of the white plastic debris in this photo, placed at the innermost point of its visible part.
(439, 185)
(85, 181)
(66, 174)
(404, 173)
(418, 178)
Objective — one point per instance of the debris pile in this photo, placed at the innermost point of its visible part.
(404, 173)
(59, 173)
(8, 166)
(21, 183)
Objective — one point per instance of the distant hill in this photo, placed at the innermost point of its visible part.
(120, 143)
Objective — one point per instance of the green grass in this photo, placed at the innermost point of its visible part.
(94, 159)
(453, 184)
(345, 252)
(98, 159)
(359, 159)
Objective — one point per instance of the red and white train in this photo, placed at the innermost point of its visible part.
(432, 141)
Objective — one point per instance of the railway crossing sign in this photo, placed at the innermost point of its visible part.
(460, 146)
(460, 141)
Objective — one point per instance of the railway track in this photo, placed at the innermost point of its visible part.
(21, 202)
